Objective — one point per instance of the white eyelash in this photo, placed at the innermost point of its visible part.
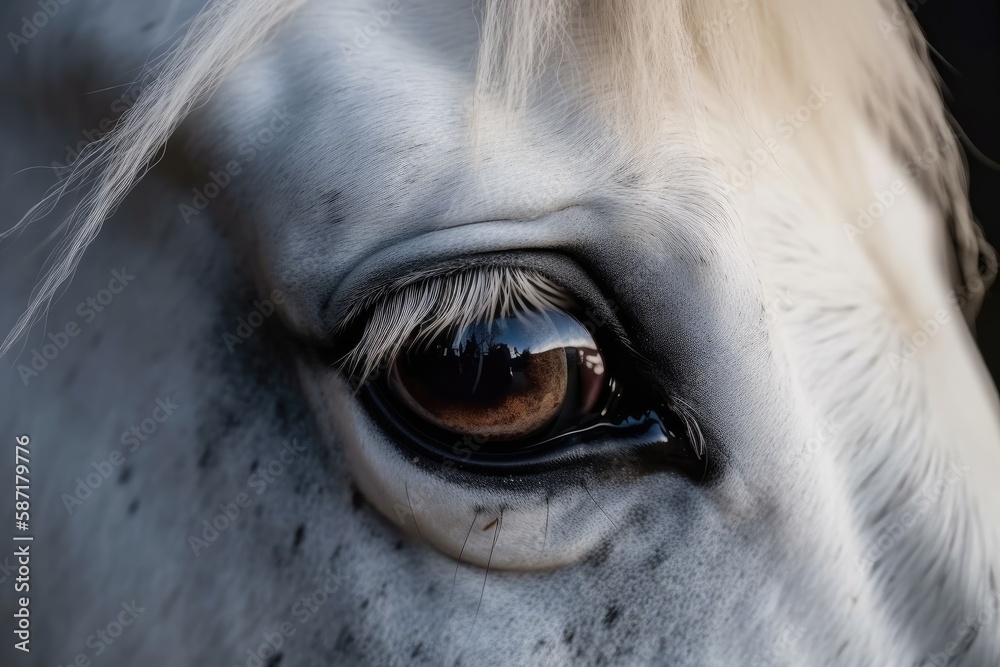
(422, 311)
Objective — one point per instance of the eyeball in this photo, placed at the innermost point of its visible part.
(502, 381)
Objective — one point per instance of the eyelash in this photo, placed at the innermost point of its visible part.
(420, 311)
(380, 328)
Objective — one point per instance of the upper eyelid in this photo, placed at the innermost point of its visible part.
(436, 304)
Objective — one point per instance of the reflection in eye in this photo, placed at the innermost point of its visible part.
(488, 371)
(505, 379)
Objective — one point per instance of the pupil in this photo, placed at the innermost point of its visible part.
(499, 380)
(479, 371)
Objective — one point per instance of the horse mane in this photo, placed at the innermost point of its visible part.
(645, 55)
(640, 56)
(218, 39)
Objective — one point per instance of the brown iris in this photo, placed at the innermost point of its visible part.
(502, 380)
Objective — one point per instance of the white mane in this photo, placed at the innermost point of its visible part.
(217, 41)
(765, 55)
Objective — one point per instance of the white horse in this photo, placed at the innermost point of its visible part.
(440, 332)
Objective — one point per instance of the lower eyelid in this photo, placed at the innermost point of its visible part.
(555, 515)
(436, 507)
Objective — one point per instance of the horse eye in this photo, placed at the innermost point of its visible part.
(503, 380)
(509, 386)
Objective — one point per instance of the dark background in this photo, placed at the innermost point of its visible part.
(965, 37)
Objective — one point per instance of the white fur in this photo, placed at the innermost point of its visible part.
(783, 327)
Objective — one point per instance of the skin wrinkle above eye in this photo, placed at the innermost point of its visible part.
(599, 308)
(437, 249)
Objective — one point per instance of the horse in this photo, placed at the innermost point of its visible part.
(439, 332)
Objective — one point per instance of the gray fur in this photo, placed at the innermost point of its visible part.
(369, 179)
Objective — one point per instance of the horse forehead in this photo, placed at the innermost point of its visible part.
(364, 30)
(388, 119)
